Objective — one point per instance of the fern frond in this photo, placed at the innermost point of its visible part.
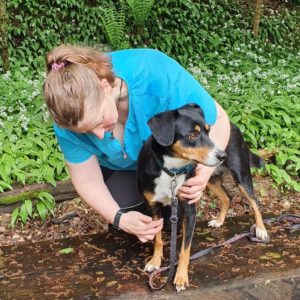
(140, 10)
(113, 23)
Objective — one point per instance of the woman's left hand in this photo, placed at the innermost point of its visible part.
(192, 189)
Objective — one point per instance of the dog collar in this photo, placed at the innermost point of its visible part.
(179, 171)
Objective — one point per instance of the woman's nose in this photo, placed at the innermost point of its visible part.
(98, 132)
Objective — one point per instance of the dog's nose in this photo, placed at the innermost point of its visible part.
(221, 155)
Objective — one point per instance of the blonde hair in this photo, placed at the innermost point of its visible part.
(74, 85)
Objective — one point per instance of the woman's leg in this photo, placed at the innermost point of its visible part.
(123, 187)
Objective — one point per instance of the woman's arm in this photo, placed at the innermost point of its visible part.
(219, 133)
(88, 181)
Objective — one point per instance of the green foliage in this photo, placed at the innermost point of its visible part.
(28, 150)
(185, 28)
(261, 95)
(282, 28)
(113, 22)
(140, 10)
(38, 26)
(44, 206)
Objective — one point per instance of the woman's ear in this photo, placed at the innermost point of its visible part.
(105, 85)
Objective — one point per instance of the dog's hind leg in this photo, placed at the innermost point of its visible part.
(155, 262)
(260, 231)
(238, 161)
(244, 181)
(215, 185)
(181, 280)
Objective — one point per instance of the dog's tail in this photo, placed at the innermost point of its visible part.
(256, 161)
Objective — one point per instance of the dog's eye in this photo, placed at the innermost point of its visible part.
(193, 137)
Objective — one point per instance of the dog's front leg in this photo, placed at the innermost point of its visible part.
(181, 280)
(155, 262)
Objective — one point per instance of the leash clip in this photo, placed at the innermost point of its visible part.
(174, 199)
(173, 186)
(174, 219)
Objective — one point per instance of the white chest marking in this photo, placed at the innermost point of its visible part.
(162, 191)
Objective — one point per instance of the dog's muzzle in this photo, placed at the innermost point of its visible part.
(215, 157)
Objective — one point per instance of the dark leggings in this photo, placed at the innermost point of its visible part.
(123, 187)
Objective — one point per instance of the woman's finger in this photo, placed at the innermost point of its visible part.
(146, 238)
(195, 200)
(190, 196)
(143, 240)
(190, 189)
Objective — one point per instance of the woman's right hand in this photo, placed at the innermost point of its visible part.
(140, 225)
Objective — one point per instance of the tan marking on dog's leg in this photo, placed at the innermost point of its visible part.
(148, 197)
(181, 280)
(220, 192)
(261, 231)
(155, 262)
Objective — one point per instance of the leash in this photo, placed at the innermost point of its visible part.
(293, 218)
(174, 221)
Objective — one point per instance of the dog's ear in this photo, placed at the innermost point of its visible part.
(163, 127)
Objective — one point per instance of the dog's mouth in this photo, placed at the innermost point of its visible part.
(215, 158)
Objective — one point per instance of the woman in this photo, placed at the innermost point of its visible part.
(100, 105)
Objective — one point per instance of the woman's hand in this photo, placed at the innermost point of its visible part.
(140, 225)
(192, 189)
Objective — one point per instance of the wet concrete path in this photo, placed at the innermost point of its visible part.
(111, 267)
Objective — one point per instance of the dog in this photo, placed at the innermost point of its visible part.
(179, 141)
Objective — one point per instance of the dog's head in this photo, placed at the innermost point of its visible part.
(185, 133)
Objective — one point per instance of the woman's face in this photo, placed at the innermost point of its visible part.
(98, 120)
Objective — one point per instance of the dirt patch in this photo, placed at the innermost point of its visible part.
(83, 220)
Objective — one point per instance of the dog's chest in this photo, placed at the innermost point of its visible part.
(162, 191)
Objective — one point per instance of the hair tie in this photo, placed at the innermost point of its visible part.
(56, 66)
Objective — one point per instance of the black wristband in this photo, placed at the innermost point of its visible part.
(117, 219)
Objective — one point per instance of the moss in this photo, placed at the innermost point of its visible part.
(21, 197)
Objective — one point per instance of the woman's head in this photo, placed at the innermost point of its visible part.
(73, 84)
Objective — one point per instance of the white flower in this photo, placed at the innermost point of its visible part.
(13, 138)
(6, 75)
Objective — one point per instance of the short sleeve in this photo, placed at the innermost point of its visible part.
(72, 150)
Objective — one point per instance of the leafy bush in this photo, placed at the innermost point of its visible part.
(38, 26)
(29, 152)
(184, 29)
(261, 95)
(43, 207)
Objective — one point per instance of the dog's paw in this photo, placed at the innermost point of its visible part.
(181, 283)
(150, 268)
(181, 280)
(262, 234)
(153, 264)
(214, 223)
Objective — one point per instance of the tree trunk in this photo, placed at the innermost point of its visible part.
(63, 191)
(258, 7)
(3, 36)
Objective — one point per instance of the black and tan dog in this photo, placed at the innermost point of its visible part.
(178, 142)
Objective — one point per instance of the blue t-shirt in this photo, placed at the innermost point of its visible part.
(155, 83)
